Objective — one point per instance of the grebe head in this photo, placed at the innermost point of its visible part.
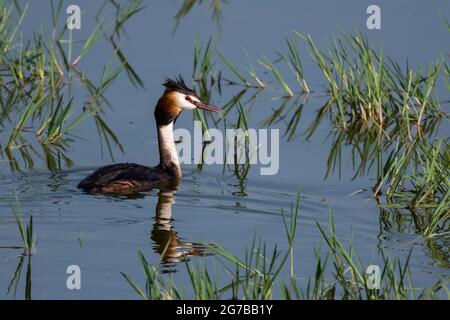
(176, 98)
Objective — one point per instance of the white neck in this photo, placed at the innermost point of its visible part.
(168, 156)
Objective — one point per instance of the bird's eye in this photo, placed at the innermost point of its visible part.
(188, 98)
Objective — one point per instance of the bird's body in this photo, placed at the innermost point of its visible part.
(123, 178)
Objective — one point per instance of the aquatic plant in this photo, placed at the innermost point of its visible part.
(187, 5)
(207, 71)
(243, 81)
(386, 115)
(369, 88)
(204, 76)
(288, 113)
(36, 76)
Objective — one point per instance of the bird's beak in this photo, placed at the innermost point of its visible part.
(205, 106)
(208, 107)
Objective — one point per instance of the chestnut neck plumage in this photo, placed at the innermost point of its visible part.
(168, 156)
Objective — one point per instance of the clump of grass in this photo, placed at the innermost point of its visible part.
(288, 112)
(156, 288)
(207, 71)
(416, 176)
(242, 166)
(28, 237)
(235, 70)
(368, 87)
(292, 58)
(187, 5)
(203, 65)
(242, 145)
(26, 233)
(351, 280)
(296, 66)
(291, 228)
(242, 79)
(124, 14)
(253, 74)
(55, 123)
(384, 113)
(271, 67)
(35, 73)
(204, 75)
(447, 71)
(256, 276)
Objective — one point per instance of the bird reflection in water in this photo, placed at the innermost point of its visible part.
(166, 240)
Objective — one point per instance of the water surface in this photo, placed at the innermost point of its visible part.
(103, 234)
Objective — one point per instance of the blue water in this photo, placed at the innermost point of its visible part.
(103, 234)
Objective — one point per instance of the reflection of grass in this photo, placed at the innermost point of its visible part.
(13, 284)
(289, 112)
(256, 276)
(415, 221)
(416, 176)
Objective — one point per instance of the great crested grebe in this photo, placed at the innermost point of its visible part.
(132, 177)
